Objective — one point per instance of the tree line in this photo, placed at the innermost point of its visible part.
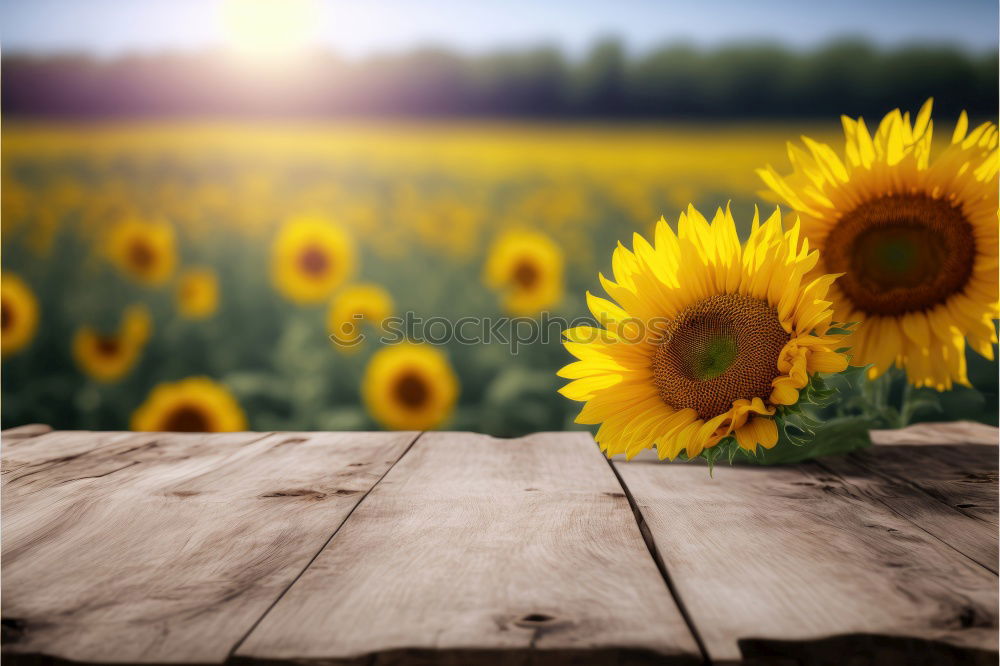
(753, 80)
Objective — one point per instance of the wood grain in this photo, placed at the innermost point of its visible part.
(948, 489)
(165, 548)
(474, 549)
(936, 434)
(50, 452)
(13, 435)
(774, 560)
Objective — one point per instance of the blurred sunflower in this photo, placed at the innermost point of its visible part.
(197, 293)
(528, 267)
(916, 240)
(137, 325)
(707, 340)
(145, 251)
(409, 387)
(352, 306)
(196, 404)
(18, 314)
(311, 258)
(109, 357)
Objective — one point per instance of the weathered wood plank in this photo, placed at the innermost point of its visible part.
(50, 451)
(948, 489)
(13, 435)
(960, 470)
(164, 548)
(775, 560)
(47, 448)
(935, 434)
(474, 549)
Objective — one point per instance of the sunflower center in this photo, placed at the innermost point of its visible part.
(525, 274)
(901, 253)
(313, 261)
(140, 254)
(107, 345)
(710, 358)
(186, 418)
(6, 316)
(411, 390)
(721, 349)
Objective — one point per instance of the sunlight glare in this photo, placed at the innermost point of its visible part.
(269, 29)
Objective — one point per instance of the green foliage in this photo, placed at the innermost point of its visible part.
(802, 433)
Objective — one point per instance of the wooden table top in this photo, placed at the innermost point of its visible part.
(463, 549)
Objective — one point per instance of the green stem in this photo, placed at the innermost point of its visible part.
(905, 404)
(876, 395)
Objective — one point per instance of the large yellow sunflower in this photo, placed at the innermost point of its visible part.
(311, 258)
(353, 306)
(196, 404)
(527, 267)
(707, 340)
(18, 314)
(109, 357)
(409, 387)
(915, 238)
(145, 251)
(197, 293)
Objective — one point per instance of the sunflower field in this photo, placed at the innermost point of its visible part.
(195, 276)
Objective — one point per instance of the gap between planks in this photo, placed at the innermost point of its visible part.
(326, 543)
(941, 478)
(661, 566)
(74, 592)
(544, 521)
(769, 557)
(846, 479)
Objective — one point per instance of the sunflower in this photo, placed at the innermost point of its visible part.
(196, 404)
(915, 238)
(707, 340)
(409, 387)
(528, 267)
(109, 357)
(311, 258)
(145, 251)
(353, 305)
(197, 293)
(18, 314)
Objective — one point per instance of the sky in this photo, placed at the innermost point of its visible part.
(361, 28)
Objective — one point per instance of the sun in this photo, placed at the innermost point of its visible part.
(269, 29)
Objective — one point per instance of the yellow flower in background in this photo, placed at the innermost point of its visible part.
(196, 404)
(137, 325)
(18, 314)
(916, 240)
(311, 258)
(197, 293)
(527, 267)
(145, 251)
(409, 387)
(109, 357)
(707, 339)
(353, 306)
